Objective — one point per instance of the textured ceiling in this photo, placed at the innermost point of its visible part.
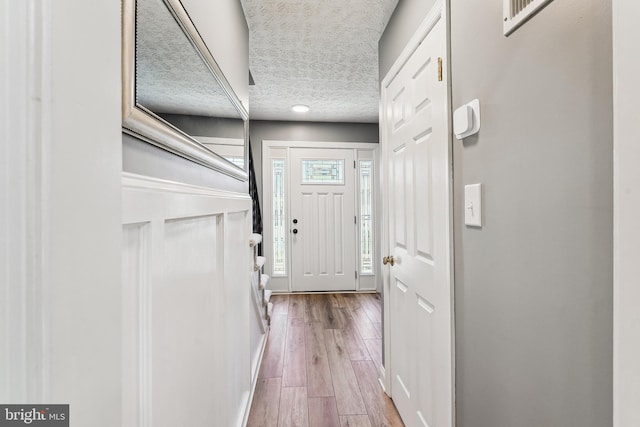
(171, 77)
(322, 53)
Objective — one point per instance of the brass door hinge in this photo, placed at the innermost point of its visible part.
(439, 69)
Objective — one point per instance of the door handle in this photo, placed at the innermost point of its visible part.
(388, 260)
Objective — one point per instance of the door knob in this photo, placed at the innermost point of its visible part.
(388, 260)
(295, 221)
(295, 231)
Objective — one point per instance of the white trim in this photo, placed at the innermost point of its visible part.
(318, 144)
(626, 203)
(24, 198)
(215, 140)
(134, 181)
(136, 326)
(258, 307)
(382, 379)
(323, 292)
(254, 379)
(438, 11)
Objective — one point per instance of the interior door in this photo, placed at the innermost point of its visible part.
(323, 249)
(416, 145)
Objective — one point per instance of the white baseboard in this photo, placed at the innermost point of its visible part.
(368, 291)
(382, 379)
(255, 370)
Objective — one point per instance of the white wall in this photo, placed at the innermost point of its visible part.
(626, 69)
(84, 186)
(64, 155)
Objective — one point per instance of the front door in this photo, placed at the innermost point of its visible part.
(416, 148)
(323, 246)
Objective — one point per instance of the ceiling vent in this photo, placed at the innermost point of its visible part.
(517, 12)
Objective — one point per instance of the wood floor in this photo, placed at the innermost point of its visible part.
(319, 366)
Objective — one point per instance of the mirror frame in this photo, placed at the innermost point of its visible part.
(143, 124)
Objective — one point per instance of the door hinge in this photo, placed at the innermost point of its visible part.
(356, 274)
(354, 164)
(439, 69)
(355, 219)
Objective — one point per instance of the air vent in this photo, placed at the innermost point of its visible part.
(517, 12)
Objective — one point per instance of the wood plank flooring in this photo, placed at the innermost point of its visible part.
(320, 364)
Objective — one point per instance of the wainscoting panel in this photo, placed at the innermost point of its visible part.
(237, 288)
(136, 301)
(187, 279)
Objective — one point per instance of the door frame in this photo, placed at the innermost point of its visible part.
(25, 202)
(438, 11)
(626, 202)
(282, 284)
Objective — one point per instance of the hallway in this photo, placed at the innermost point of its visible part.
(319, 366)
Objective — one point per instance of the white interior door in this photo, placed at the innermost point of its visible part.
(323, 247)
(416, 146)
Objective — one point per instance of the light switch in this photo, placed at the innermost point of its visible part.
(473, 205)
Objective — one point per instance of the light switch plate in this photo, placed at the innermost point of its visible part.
(473, 205)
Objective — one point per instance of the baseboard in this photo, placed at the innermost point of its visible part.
(382, 379)
(255, 372)
(368, 291)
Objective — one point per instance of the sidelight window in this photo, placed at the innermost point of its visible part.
(279, 218)
(365, 172)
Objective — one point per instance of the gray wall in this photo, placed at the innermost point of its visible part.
(206, 126)
(260, 130)
(534, 286)
(223, 27)
(145, 159)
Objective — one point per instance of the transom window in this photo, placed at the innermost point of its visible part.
(319, 171)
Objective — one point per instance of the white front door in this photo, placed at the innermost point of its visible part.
(416, 148)
(323, 247)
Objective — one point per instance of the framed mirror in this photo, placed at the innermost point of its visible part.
(174, 94)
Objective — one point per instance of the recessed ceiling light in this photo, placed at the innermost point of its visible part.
(300, 108)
